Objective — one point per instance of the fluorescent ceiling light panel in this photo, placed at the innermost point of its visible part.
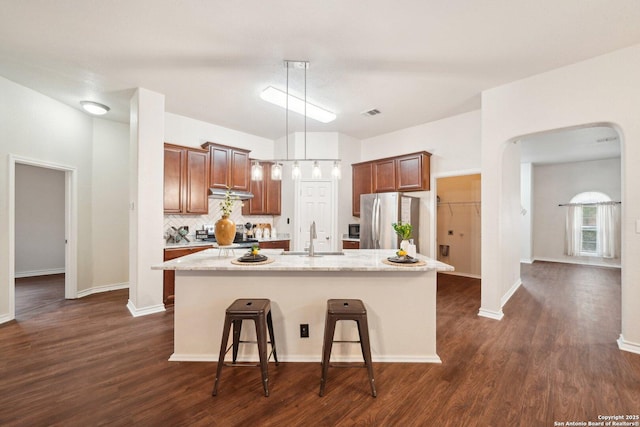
(279, 98)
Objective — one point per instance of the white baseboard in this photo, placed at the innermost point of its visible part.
(137, 312)
(35, 273)
(526, 261)
(5, 318)
(506, 297)
(491, 314)
(632, 347)
(176, 357)
(577, 261)
(457, 273)
(103, 288)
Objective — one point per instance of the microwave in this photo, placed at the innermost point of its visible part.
(354, 231)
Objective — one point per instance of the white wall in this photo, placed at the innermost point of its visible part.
(110, 196)
(527, 212)
(37, 127)
(193, 133)
(39, 221)
(600, 90)
(557, 184)
(454, 143)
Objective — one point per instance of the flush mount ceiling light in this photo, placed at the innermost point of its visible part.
(94, 108)
(297, 105)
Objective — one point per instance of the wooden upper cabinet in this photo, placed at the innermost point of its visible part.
(362, 184)
(229, 167)
(384, 176)
(240, 173)
(174, 178)
(186, 180)
(409, 172)
(267, 195)
(413, 172)
(197, 182)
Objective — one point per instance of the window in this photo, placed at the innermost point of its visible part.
(593, 227)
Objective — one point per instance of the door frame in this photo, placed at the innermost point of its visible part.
(70, 222)
(297, 234)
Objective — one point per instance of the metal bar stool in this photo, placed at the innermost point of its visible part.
(346, 309)
(258, 310)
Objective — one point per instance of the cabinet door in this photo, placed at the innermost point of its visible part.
(256, 205)
(384, 175)
(361, 184)
(412, 172)
(272, 192)
(169, 280)
(174, 177)
(220, 162)
(275, 244)
(348, 244)
(197, 190)
(240, 173)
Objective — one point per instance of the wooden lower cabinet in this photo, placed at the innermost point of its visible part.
(350, 244)
(169, 281)
(275, 244)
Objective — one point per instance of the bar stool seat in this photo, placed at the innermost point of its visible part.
(258, 310)
(346, 309)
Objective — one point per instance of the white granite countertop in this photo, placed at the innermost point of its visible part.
(191, 244)
(350, 239)
(352, 260)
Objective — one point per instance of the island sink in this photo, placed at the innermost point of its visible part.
(315, 254)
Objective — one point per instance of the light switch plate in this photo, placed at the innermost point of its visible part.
(638, 226)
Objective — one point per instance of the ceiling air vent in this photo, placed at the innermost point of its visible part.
(371, 112)
(607, 139)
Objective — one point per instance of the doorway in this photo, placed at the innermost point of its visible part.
(555, 167)
(70, 221)
(458, 236)
(316, 201)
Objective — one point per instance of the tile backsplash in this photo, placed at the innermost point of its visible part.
(195, 222)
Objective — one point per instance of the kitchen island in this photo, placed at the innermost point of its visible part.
(400, 301)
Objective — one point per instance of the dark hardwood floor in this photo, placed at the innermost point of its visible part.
(553, 357)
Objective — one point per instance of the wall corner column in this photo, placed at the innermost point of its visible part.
(146, 202)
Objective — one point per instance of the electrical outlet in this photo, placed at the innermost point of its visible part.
(304, 330)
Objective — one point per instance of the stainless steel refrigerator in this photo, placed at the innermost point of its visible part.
(378, 211)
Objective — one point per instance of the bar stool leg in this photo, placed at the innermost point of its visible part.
(271, 337)
(363, 332)
(237, 328)
(262, 350)
(329, 329)
(223, 350)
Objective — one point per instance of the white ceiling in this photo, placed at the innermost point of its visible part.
(574, 145)
(416, 61)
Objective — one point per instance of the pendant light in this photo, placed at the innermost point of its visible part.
(302, 106)
(276, 171)
(256, 171)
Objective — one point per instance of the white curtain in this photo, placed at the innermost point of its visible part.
(609, 230)
(573, 230)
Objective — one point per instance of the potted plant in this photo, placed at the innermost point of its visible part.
(225, 228)
(403, 230)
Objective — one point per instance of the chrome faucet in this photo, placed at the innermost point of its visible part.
(312, 235)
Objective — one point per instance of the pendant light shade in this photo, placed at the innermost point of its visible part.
(256, 171)
(316, 173)
(336, 173)
(276, 172)
(295, 171)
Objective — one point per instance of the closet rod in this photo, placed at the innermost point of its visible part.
(589, 204)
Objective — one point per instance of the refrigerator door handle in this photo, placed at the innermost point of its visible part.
(373, 223)
(376, 222)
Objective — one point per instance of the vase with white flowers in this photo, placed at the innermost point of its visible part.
(225, 228)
